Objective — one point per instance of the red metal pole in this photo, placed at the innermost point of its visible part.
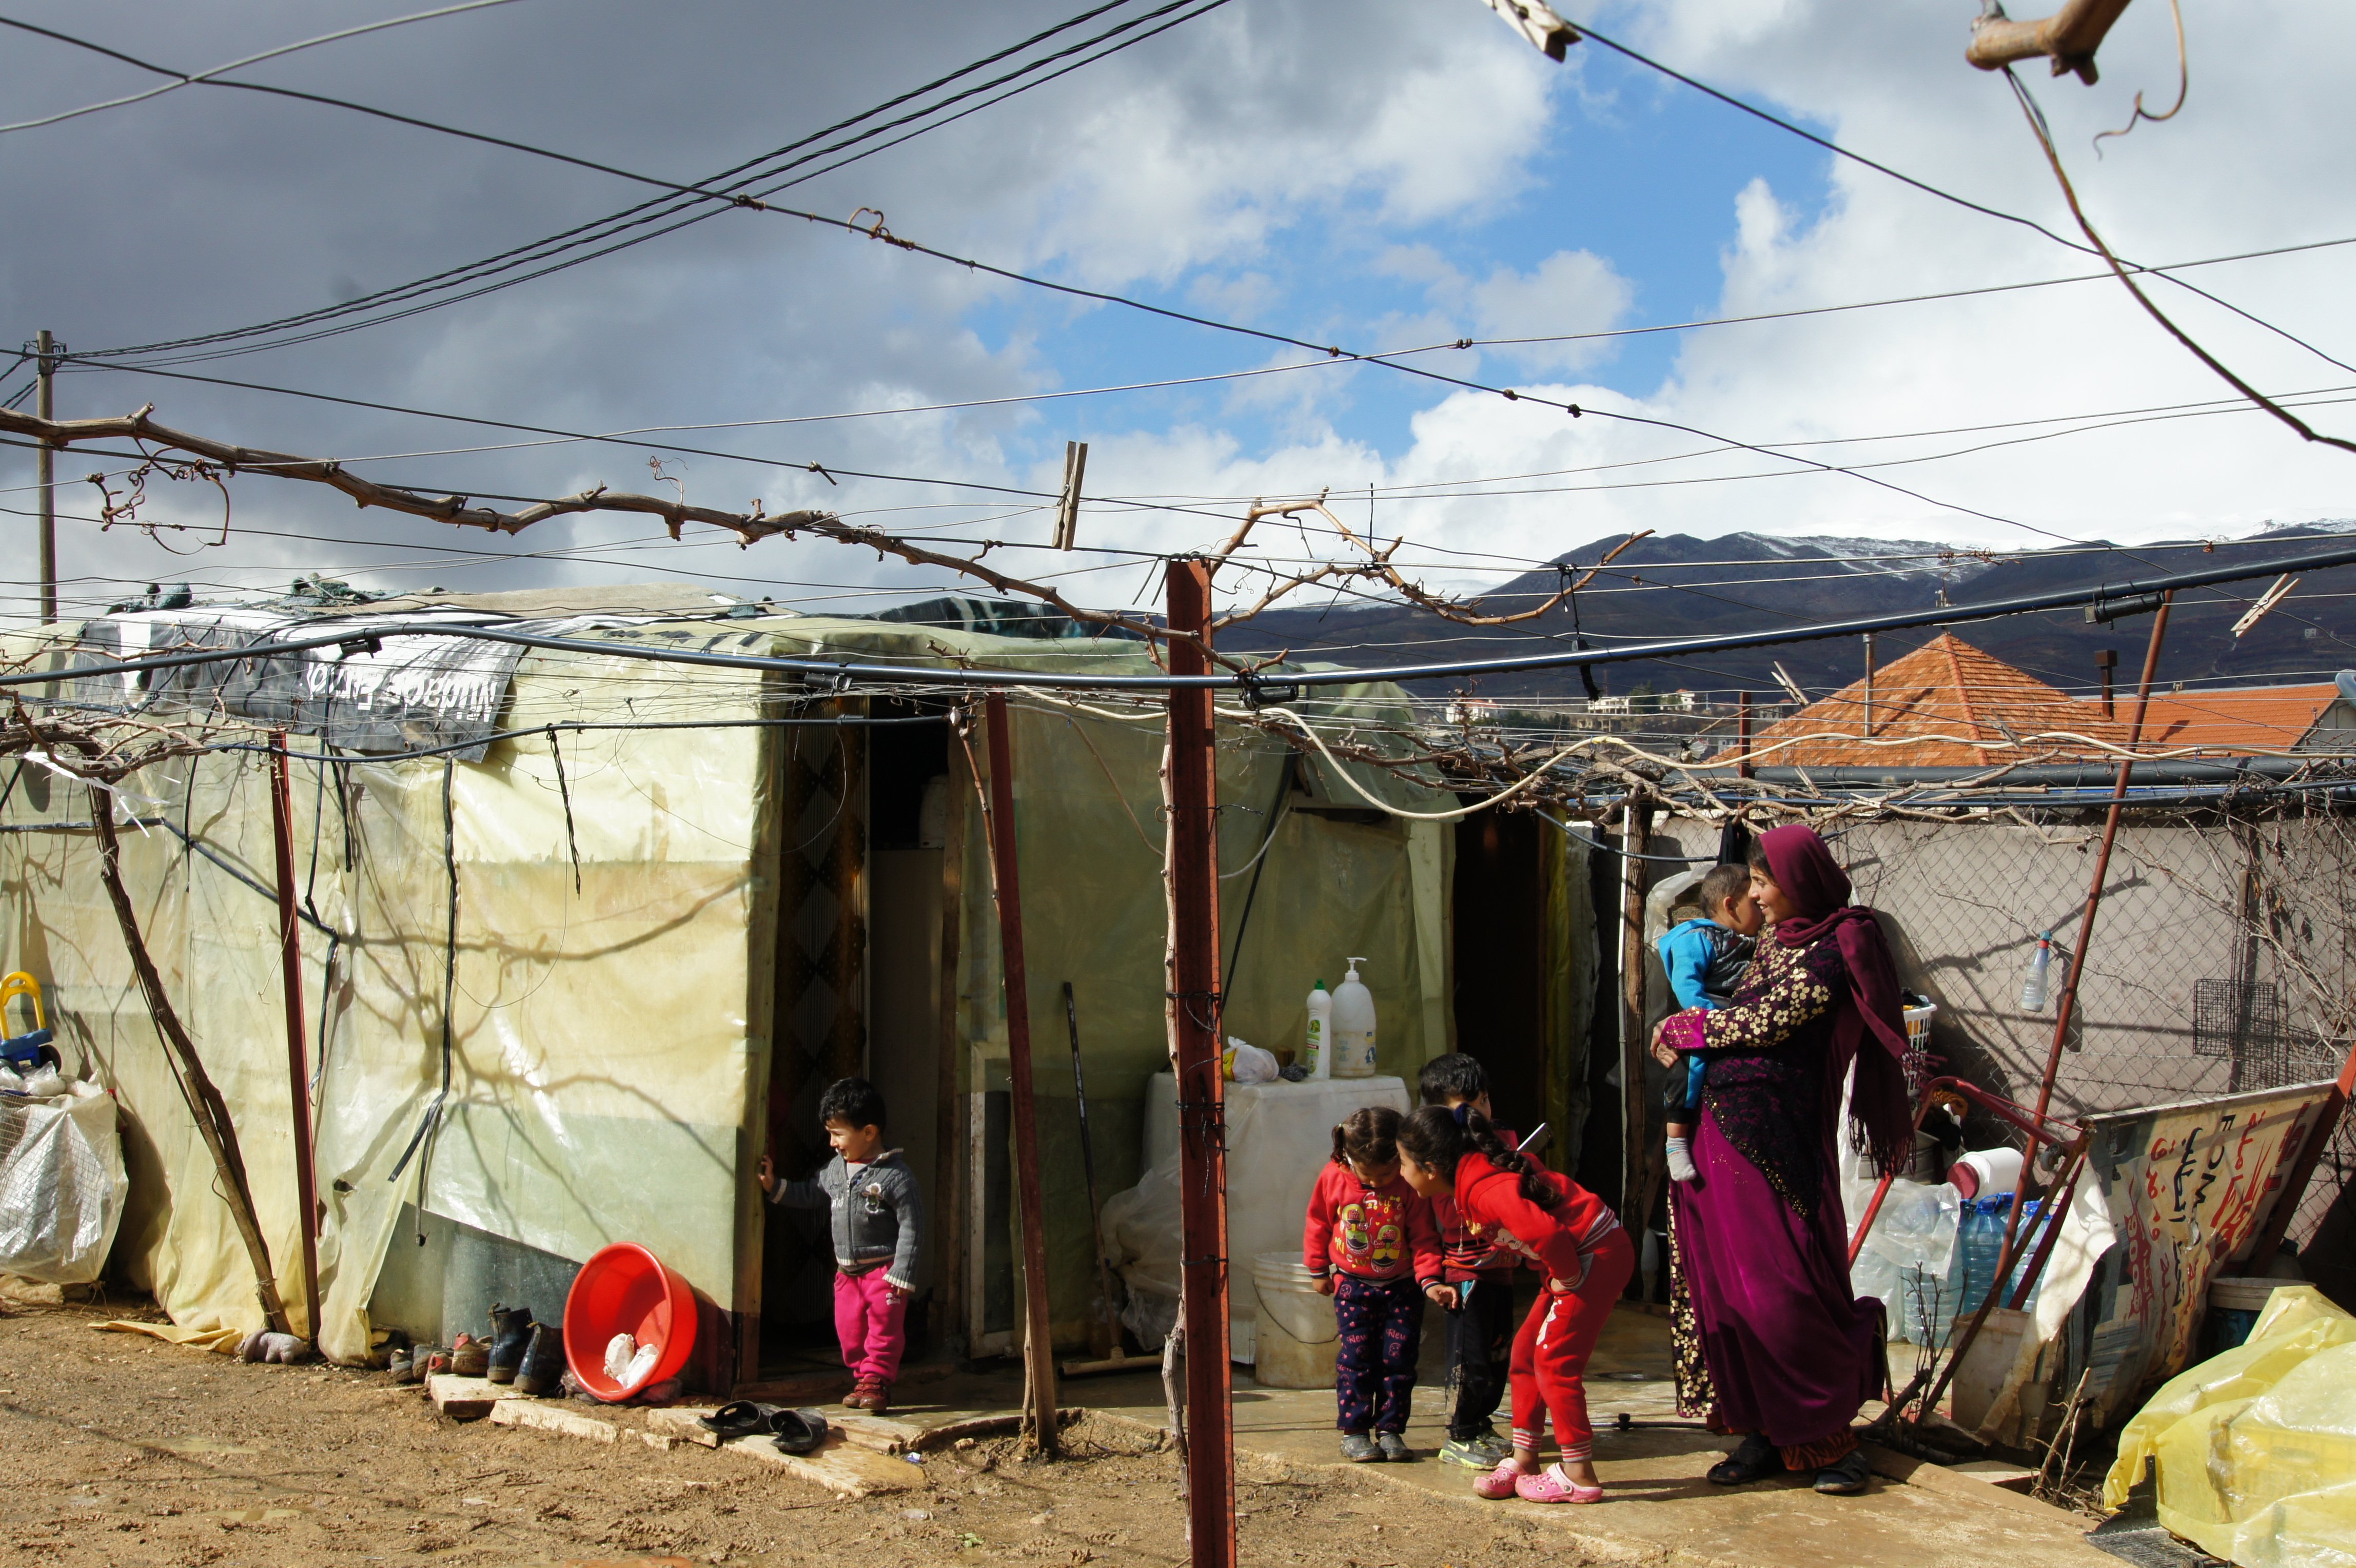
(1038, 1335)
(298, 1072)
(1202, 1095)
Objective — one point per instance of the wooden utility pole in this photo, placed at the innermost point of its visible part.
(1038, 1332)
(298, 1075)
(45, 462)
(1193, 1013)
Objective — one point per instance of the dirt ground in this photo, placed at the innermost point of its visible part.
(123, 1450)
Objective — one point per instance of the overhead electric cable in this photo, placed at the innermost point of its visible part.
(719, 187)
(209, 78)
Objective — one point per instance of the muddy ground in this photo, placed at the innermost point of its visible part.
(123, 1450)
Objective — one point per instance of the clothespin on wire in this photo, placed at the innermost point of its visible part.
(1067, 510)
(2266, 601)
(1536, 21)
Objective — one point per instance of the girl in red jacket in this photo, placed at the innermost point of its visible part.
(1577, 1244)
(1372, 1244)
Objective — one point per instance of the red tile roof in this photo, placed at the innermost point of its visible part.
(2239, 719)
(1959, 701)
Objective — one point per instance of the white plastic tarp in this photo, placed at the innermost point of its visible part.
(61, 1184)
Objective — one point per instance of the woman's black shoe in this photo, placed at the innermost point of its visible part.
(1754, 1459)
(511, 1336)
(1846, 1476)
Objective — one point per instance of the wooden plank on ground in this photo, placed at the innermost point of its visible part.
(465, 1399)
(842, 1468)
(548, 1416)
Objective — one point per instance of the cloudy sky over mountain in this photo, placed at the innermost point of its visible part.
(1383, 176)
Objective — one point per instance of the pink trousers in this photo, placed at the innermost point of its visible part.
(871, 1323)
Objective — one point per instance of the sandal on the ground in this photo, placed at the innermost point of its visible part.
(1754, 1459)
(799, 1431)
(1846, 1476)
(738, 1418)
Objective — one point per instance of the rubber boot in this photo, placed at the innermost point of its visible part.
(543, 1361)
(510, 1335)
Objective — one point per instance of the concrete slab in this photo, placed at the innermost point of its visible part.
(465, 1399)
(553, 1418)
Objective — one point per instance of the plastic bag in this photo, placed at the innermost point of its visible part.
(62, 1184)
(1141, 1242)
(1247, 1063)
(2255, 1446)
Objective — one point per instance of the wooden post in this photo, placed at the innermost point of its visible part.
(1193, 1010)
(298, 1075)
(45, 474)
(1634, 1048)
(1038, 1334)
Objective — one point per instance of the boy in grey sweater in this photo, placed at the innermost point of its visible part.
(876, 1220)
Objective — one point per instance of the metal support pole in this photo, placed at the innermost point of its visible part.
(1202, 1093)
(1038, 1335)
(1635, 1160)
(1743, 769)
(1869, 686)
(298, 1072)
(46, 473)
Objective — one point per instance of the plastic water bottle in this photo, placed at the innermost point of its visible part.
(1317, 1054)
(1354, 1025)
(2041, 970)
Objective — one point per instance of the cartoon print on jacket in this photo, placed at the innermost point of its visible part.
(1375, 1229)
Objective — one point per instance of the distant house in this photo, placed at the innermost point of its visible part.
(2243, 721)
(1946, 705)
(1466, 712)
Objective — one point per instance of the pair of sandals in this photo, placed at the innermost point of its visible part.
(1755, 1459)
(792, 1431)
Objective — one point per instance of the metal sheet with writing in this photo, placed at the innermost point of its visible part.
(2189, 1186)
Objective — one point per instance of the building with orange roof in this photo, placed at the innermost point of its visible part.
(1946, 705)
(2251, 720)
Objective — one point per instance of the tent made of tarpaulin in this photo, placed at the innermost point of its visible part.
(666, 939)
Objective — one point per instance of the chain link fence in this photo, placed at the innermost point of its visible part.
(2222, 959)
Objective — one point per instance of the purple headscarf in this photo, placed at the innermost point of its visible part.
(1880, 1109)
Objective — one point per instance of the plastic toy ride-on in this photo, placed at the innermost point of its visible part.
(28, 1051)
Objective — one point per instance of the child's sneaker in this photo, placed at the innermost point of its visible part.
(1499, 1482)
(1483, 1452)
(1394, 1447)
(1548, 1486)
(1360, 1449)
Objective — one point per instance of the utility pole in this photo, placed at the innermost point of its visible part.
(46, 472)
(1193, 1016)
(1869, 685)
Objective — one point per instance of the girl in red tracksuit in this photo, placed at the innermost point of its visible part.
(1371, 1242)
(1576, 1241)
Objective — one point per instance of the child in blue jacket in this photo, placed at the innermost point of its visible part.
(1705, 959)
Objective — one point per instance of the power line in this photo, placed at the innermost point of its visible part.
(208, 78)
(1929, 189)
(722, 188)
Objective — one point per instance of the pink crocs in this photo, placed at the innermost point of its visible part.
(1548, 1486)
(1499, 1482)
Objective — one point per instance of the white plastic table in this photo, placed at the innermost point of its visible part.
(1279, 1135)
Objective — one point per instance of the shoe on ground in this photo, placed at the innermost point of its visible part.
(469, 1356)
(1395, 1448)
(1359, 1448)
(1753, 1459)
(1499, 1482)
(1486, 1452)
(1846, 1477)
(511, 1336)
(542, 1371)
(1548, 1486)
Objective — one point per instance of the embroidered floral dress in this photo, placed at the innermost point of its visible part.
(1767, 1334)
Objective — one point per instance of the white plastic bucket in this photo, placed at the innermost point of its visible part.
(1298, 1338)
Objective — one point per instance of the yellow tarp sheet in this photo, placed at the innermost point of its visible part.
(2256, 1448)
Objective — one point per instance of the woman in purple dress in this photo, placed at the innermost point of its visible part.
(1770, 1342)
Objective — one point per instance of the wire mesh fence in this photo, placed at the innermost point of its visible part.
(2223, 958)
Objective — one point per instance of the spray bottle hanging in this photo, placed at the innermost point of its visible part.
(1354, 1025)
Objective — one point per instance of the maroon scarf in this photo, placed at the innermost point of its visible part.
(1882, 1116)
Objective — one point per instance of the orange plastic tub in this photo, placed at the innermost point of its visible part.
(626, 1289)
